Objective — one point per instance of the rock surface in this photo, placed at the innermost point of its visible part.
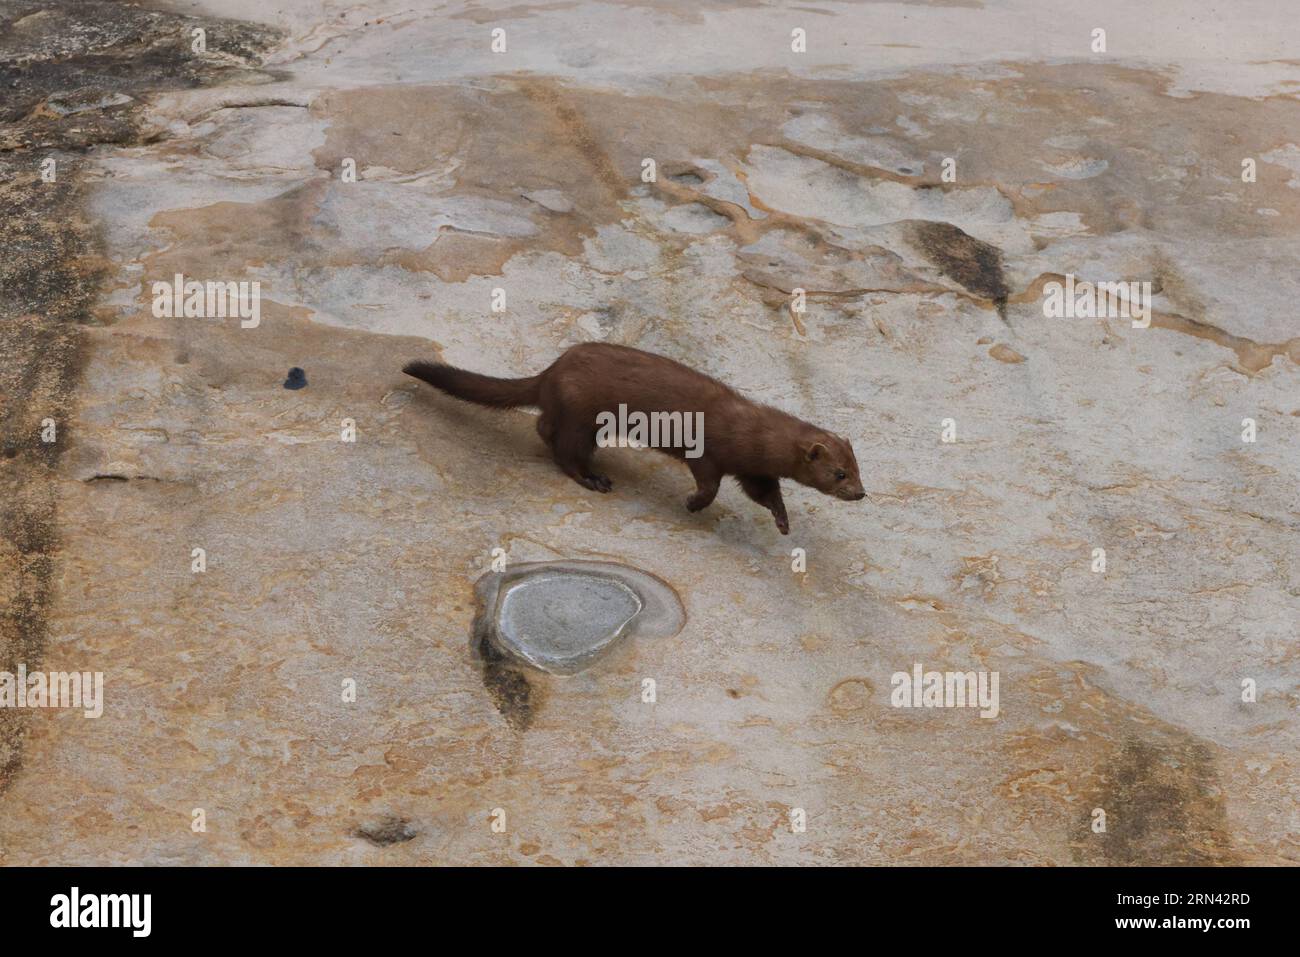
(333, 564)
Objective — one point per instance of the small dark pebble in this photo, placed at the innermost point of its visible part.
(297, 379)
(388, 831)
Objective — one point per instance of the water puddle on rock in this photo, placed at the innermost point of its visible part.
(560, 621)
(560, 618)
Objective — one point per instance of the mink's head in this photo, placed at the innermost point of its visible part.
(828, 465)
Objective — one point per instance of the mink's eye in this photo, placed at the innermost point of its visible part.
(840, 475)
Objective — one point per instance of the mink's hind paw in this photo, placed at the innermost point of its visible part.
(597, 483)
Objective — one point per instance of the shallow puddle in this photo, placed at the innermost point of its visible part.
(560, 617)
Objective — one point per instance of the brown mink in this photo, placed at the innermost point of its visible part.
(593, 385)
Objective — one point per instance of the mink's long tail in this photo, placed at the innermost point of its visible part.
(472, 387)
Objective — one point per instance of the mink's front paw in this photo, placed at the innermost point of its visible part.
(783, 525)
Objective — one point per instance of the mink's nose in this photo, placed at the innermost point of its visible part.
(859, 497)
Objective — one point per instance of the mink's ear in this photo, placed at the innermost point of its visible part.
(815, 451)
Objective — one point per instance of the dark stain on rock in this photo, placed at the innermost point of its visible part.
(119, 477)
(69, 67)
(506, 683)
(297, 379)
(48, 281)
(1163, 806)
(976, 265)
(66, 67)
(387, 831)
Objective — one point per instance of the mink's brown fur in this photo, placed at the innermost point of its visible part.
(757, 444)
